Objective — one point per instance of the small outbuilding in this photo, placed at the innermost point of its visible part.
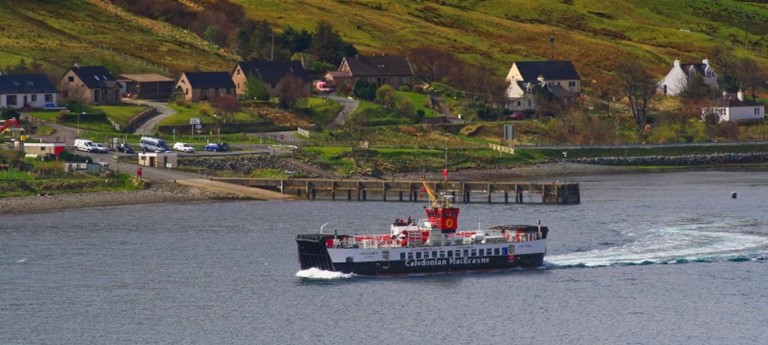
(147, 86)
(43, 149)
(166, 160)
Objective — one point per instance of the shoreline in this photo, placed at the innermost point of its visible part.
(171, 192)
(158, 192)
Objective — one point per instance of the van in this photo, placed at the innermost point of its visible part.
(84, 145)
(152, 144)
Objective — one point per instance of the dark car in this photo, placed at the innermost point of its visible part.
(216, 147)
(123, 147)
(518, 116)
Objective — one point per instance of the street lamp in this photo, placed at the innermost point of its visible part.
(565, 155)
(445, 166)
(78, 123)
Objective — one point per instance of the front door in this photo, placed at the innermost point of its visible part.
(385, 259)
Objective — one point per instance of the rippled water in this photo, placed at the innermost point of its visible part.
(655, 258)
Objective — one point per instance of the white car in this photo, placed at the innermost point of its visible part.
(183, 147)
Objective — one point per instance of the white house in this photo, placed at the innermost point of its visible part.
(27, 90)
(734, 108)
(558, 77)
(676, 80)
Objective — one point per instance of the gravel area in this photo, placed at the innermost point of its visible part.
(159, 192)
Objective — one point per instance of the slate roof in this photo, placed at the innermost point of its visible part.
(26, 83)
(379, 66)
(210, 80)
(95, 77)
(145, 78)
(273, 71)
(550, 70)
(732, 101)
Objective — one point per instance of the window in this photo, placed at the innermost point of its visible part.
(96, 96)
(442, 254)
(402, 256)
(418, 255)
(757, 111)
(473, 253)
(434, 253)
(34, 98)
(238, 71)
(519, 103)
(458, 253)
(495, 251)
(410, 256)
(10, 100)
(571, 84)
(466, 252)
(426, 255)
(71, 79)
(482, 252)
(450, 253)
(49, 97)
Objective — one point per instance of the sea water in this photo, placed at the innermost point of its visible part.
(661, 258)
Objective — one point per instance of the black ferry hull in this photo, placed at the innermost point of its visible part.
(314, 253)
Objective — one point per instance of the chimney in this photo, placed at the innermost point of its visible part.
(540, 79)
(705, 62)
(76, 65)
(677, 63)
(740, 96)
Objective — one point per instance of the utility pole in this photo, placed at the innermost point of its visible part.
(552, 40)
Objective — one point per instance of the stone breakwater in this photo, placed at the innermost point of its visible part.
(246, 164)
(687, 160)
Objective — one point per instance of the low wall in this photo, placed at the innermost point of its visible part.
(729, 158)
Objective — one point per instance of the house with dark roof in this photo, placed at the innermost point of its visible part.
(147, 86)
(677, 78)
(733, 107)
(558, 78)
(91, 85)
(392, 70)
(203, 86)
(27, 91)
(270, 73)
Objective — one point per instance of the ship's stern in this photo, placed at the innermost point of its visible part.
(313, 251)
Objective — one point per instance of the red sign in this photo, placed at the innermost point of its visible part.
(282, 136)
(445, 172)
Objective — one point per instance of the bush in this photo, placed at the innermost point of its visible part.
(405, 88)
(8, 113)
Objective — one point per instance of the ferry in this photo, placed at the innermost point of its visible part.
(430, 245)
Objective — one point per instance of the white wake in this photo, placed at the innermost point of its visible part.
(318, 274)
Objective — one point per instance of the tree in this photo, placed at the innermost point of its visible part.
(749, 75)
(226, 106)
(432, 64)
(290, 89)
(385, 95)
(353, 133)
(406, 107)
(365, 90)
(639, 86)
(255, 89)
(696, 89)
(328, 46)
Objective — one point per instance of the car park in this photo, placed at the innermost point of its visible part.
(123, 147)
(216, 147)
(183, 147)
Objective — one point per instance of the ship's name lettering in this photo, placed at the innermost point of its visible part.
(449, 261)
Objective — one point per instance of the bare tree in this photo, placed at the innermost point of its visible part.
(290, 89)
(353, 133)
(226, 105)
(639, 86)
(749, 75)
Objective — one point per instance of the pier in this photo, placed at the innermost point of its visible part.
(411, 191)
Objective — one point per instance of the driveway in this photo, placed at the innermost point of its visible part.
(348, 106)
(148, 127)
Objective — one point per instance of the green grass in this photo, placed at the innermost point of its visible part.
(420, 102)
(121, 113)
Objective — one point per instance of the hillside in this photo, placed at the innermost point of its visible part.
(55, 33)
(594, 34)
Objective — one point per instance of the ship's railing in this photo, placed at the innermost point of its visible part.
(460, 238)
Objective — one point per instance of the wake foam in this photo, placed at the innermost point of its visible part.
(678, 245)
(318, 274)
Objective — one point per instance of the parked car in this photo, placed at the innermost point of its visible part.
(123, 147)
(217, 147)
(100, 148)
(518, 116)
(183, 147)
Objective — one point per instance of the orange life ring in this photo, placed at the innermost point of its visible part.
(449, 223)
